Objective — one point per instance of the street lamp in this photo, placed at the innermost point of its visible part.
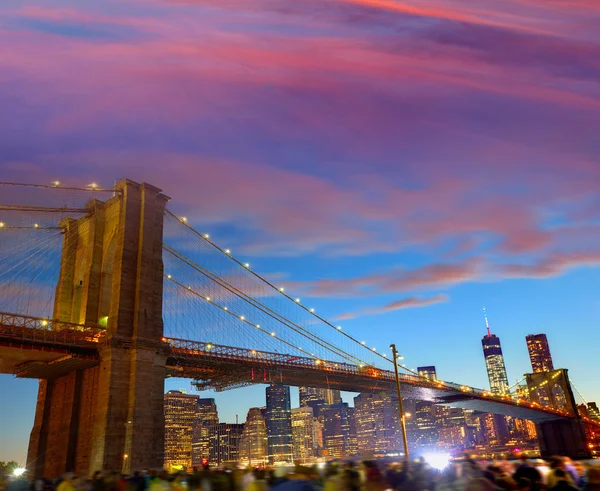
(400, 408)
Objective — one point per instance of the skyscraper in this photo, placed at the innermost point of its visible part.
(339, 430)
(180, 415)
(539, 353)
(494, 361)
(206, 416)
(278, 418)
(225, 443)
(305, 434)
(377, 425)
(254, 443)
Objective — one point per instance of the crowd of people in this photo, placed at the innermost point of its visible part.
(558, 474)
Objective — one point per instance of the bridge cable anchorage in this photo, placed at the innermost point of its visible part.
(227, 253)
(261, 307)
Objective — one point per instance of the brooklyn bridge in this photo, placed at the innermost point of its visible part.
(104, 293)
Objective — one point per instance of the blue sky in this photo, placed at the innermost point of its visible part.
(399, 164)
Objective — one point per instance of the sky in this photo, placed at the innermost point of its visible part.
(399, 164)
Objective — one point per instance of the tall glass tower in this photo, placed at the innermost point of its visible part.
(539, 353)
(494, 361)
(278, 417)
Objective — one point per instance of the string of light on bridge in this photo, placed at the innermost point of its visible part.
(281, 290)
(247, 321)
(93, 186)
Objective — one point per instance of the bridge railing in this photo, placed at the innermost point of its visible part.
(20, 328)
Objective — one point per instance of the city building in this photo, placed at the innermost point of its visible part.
(378, 428)
(427, 372)
(180, 416)
(452, 430)
(339, 430)
(278, 418)
(225, 444)
(494, 362)
(254, 443)
(305, 434)
(423, 424)
(539, 353)
(324, 396)
(206, 416)
(593, 410)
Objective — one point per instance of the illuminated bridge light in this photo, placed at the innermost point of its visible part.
(242, 317)
(247, 265)
(189, 287)
(1, 224)
(312, 310)
(206, 236)
(318, 362)
(227, 251)
(208, 299)
(363, 343)
(44, 323)
(253, 352)
(297, 300)
(273, 334)
(208, 346)
(374, 349)
(169, 276)
(184, 219)
(257, 326)
(93, 185)
(56, 183)
(281, 289)
(35, 225)
(339, 328)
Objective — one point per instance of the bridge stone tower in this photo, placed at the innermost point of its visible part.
(560, 436)
(109, 416)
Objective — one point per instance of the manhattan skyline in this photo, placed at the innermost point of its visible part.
(397, 165)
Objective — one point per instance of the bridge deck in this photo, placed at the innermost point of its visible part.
(28, 348)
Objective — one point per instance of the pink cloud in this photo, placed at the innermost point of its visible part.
(408, 303)
(405, 303)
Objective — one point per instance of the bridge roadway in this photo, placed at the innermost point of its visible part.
(32, 347)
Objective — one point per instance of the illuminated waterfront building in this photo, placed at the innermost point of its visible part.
(180, 416)
(539, 353)
(225, 443)
(451, 426)
(254, 443)
(305, 434)
(206, 416)
(424, 416)
(278, 418)
(593, 410)
(427, 372)
(324, 396)
(377, 425)
(339, 430)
